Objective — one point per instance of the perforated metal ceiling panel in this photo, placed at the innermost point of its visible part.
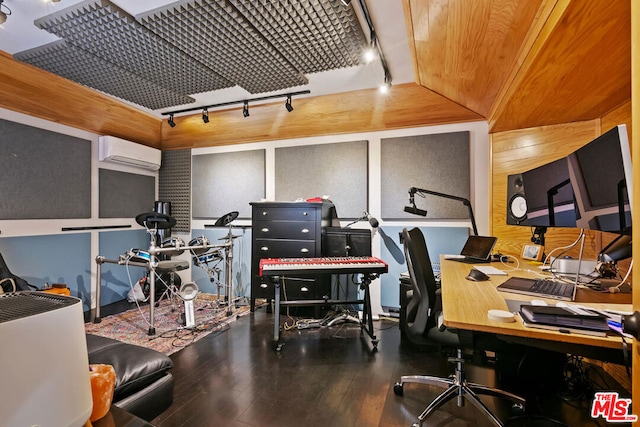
(159, 58)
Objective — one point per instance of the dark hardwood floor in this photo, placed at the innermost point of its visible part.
(330, 377)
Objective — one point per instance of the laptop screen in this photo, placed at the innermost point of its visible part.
(479, 247)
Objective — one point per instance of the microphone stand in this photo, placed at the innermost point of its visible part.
(413, 191)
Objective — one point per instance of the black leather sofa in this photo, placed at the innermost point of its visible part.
(144, 385)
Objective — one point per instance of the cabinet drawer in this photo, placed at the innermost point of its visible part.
(294, 288)
(296, 230)
(285, 214)
(283, 248)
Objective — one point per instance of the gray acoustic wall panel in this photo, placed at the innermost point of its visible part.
(438, 162)
(338, 170)
(227, 182)
(43, 174)
(125, 195)
(174, 186)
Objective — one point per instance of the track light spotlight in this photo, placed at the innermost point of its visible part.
(386, 85)
(369, 55)
(245, 109)
(205, 115)
(288, 105)
(171, 122)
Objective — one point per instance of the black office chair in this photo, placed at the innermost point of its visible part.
(424, 325)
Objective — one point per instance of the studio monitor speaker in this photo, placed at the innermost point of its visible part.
(516, 201)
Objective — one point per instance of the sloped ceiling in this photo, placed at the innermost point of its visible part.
(516, 64)
(522, 64)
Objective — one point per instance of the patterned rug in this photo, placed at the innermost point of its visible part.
(132, 326)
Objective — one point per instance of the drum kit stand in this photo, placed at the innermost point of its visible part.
(203, 253)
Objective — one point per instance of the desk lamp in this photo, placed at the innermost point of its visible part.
(412, 209)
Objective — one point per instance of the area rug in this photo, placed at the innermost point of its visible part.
(132, 326)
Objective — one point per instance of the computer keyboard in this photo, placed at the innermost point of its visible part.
(549, 287)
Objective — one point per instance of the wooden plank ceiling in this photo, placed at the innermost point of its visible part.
(522, 64)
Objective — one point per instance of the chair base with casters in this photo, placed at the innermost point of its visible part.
(457, 386)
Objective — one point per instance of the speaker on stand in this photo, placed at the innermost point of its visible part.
(516, 201)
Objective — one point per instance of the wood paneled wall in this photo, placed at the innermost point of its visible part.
(520, 150)
(406, 105)
(30, 90)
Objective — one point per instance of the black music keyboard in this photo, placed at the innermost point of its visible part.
(322, 265)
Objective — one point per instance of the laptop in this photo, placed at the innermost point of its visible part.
(545, 288)
(476, 249)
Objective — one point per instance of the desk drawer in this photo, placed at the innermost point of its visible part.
(282, 248)
(284, 214)
(295, 230)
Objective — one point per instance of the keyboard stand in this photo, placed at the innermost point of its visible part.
(366, 323)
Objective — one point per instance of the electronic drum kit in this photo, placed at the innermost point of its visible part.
(204, 254)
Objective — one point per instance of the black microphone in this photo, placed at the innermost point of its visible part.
(372, 221)
(414, 210)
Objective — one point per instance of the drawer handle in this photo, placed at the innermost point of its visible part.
(304, 250)
(263, 285)
(305, 230)
(265, 230)
(304, 289)
(305, 213)
(264, 213)
(264, 248)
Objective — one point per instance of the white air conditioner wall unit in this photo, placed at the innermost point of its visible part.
(116, 150)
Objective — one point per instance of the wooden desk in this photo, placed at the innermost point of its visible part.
(465, 305)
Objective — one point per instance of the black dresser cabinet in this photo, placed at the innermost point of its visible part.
(289, 230)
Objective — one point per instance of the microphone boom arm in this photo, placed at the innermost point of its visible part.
(414, 190)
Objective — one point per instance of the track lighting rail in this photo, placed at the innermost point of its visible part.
(287, 95)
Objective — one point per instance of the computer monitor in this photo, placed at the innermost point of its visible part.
(601, 178)
(544, 197)
(590, 188)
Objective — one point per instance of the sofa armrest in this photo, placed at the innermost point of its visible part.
(136, 367)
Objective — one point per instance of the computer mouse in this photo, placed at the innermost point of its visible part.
(476, 275)
(538, 302)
